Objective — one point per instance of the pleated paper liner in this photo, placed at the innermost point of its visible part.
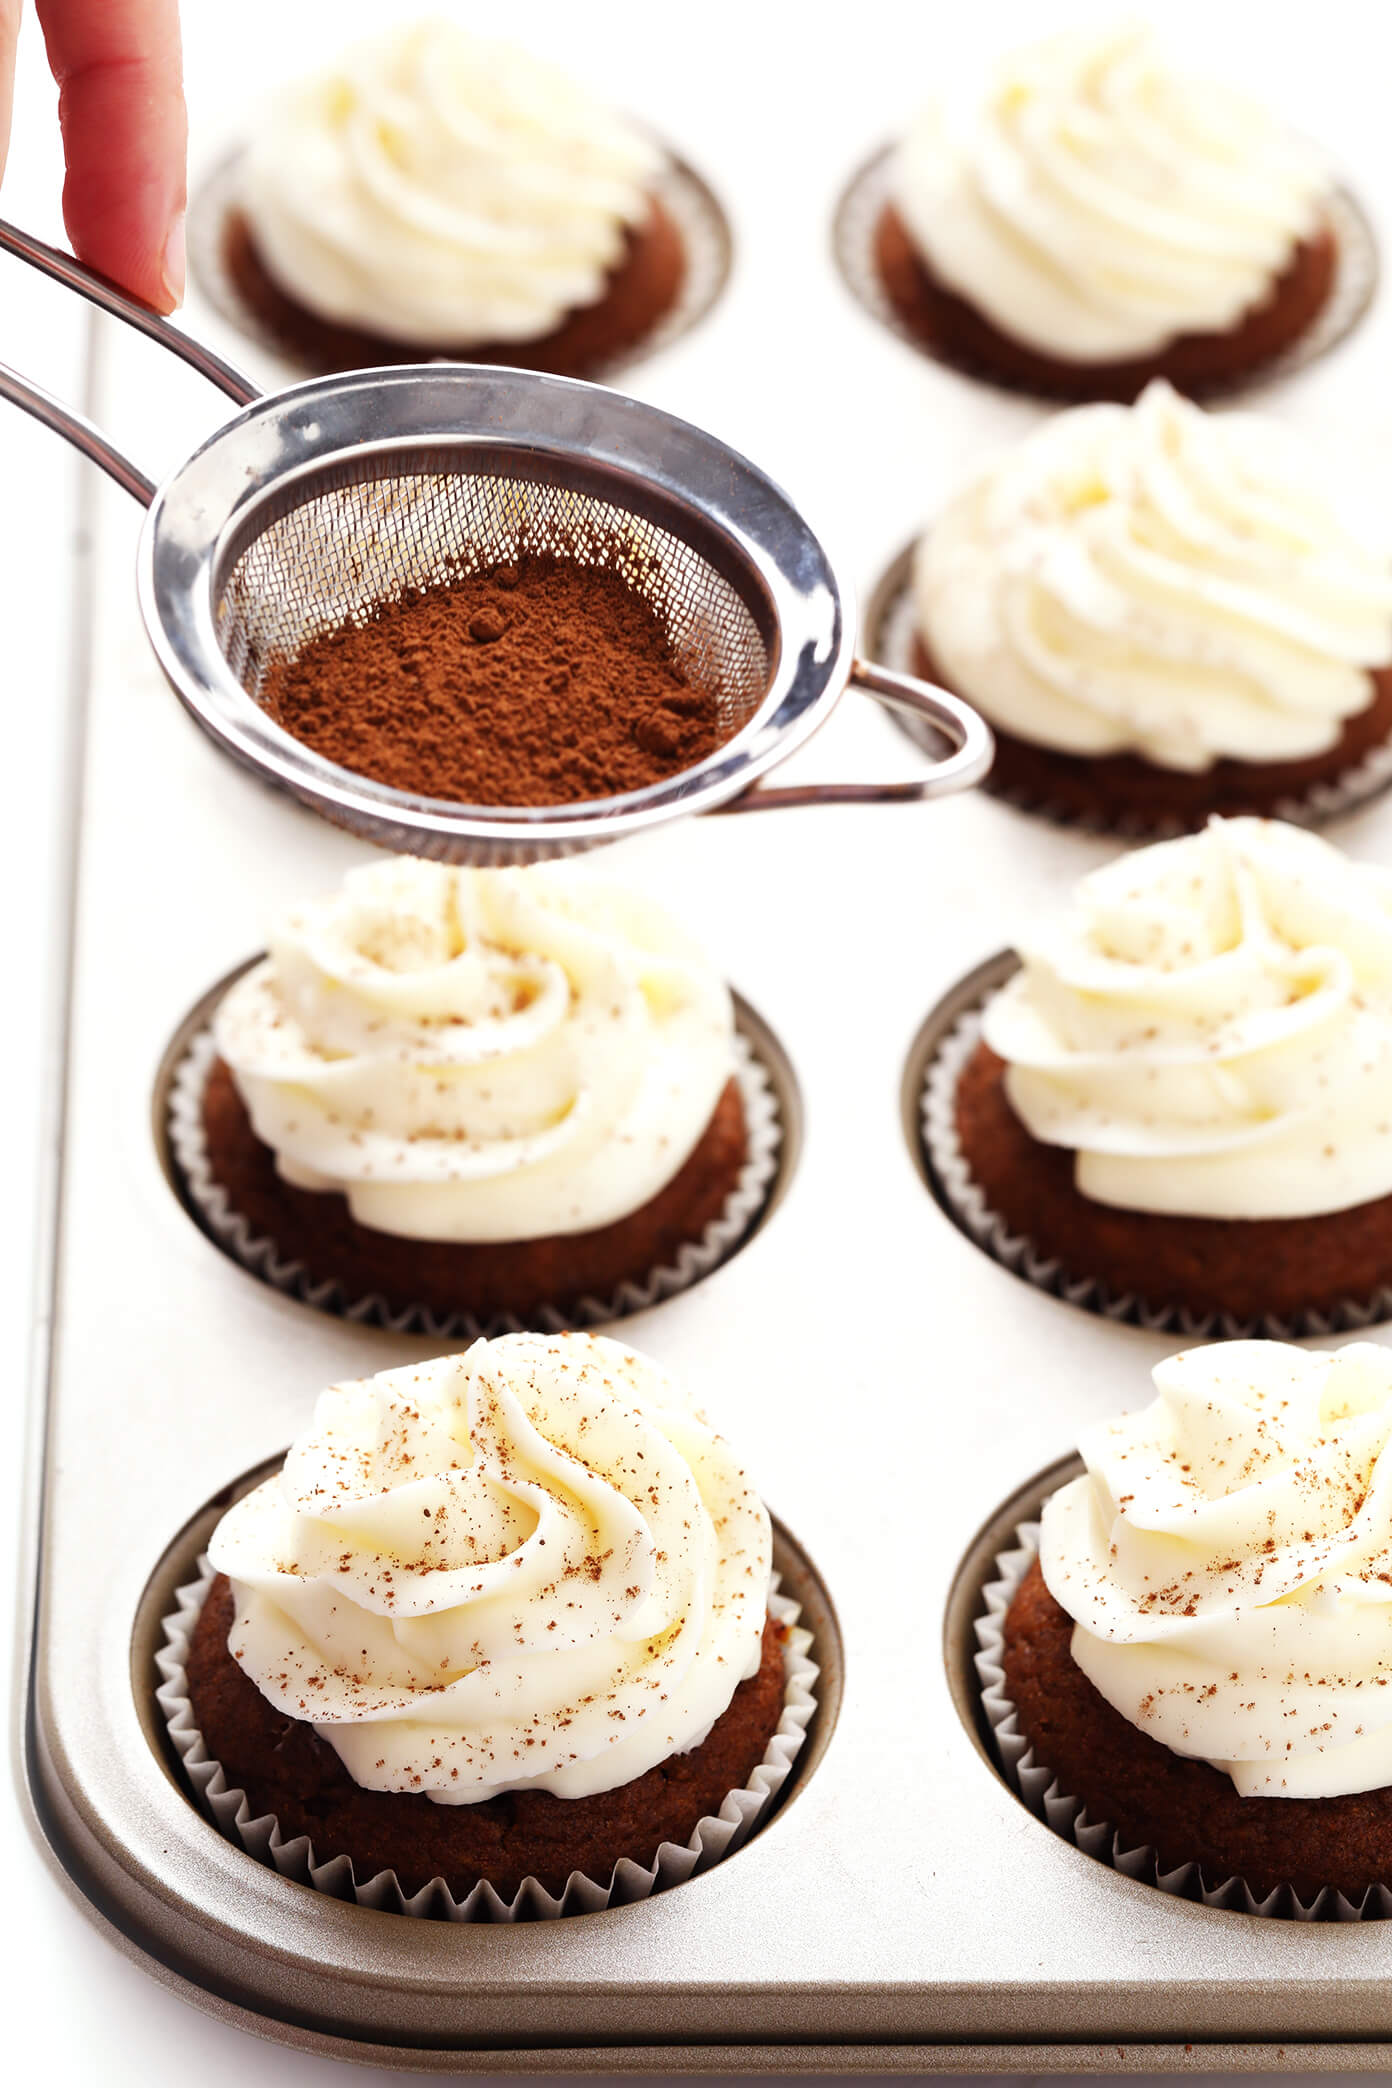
(686, 198)
(213, 1209)
(964, 1201)
(715, 1837)
(1039, 1789)
(891, 633)
(861, 206)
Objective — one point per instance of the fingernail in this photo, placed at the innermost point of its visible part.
(173, 268)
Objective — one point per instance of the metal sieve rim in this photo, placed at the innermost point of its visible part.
(559, 428)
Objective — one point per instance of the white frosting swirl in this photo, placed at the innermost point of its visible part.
(1227, 1563)
(1157, 580)
(479, 1054)
(443, 190)
(1095, 204)
(1209, 1028)
(533, 1566)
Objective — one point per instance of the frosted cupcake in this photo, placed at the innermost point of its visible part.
(1197, 1659)
(483, 1097)
(501, 1619)
(1091, 218)
(1163, 613)
(434, 194)
(1184, 1095)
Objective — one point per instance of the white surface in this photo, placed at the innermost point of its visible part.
(773, 102)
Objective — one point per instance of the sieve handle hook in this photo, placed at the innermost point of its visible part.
(973, 749)
(72, 426)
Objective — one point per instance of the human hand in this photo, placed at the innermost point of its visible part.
(121, 106)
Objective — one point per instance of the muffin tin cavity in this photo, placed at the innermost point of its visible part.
(966, 1601)
(862, 202)
(774, 1117)
(798, 1582)
(958, 1005)
(688, 202)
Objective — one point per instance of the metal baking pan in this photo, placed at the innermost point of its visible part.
(891, 1387)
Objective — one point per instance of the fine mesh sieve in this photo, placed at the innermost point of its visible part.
(316, 505)
(358, 542)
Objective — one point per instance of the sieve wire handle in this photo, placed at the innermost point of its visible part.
(74, 427)
(973, 750)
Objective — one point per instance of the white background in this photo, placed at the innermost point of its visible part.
(766, 99)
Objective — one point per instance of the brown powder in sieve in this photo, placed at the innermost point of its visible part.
(539, 683)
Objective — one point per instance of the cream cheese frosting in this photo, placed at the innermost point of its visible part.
(1095, 203)
(1161, 581)
(440, 189)
(1209, 1027)
(479, 1054)
(533, 1566)
(1227, 1562)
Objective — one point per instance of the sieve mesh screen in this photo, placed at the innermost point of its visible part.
(334, 556)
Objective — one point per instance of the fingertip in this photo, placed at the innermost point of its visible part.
(121, 107)
(136, 242)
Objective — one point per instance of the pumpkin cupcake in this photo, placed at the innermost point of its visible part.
(1181, 1104)
(1092, 217)
(1186, 1668)
(434, 194)
(1163, 613)
(464, 1099)
(504, 1625)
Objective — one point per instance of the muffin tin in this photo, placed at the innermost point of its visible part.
(888, 1383)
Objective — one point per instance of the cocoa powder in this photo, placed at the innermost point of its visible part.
(539, 683)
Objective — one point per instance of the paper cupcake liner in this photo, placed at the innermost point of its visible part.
(692, 206)
(862, 203)
(891, 637)
(716, 1836)
(263, 1257)
(965, 1200)
(1039, 1788)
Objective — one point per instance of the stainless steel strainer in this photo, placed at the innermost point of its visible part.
(318, 503)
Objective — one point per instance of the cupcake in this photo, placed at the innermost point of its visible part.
(1163, 613)
(1091, 218)
(431, 194)
(501, 1618)
(1197, 1659)
(464, 1097)
(1183, 1098)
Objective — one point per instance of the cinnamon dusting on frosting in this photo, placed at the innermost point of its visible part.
(471, 1496)
(1228, 1563)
